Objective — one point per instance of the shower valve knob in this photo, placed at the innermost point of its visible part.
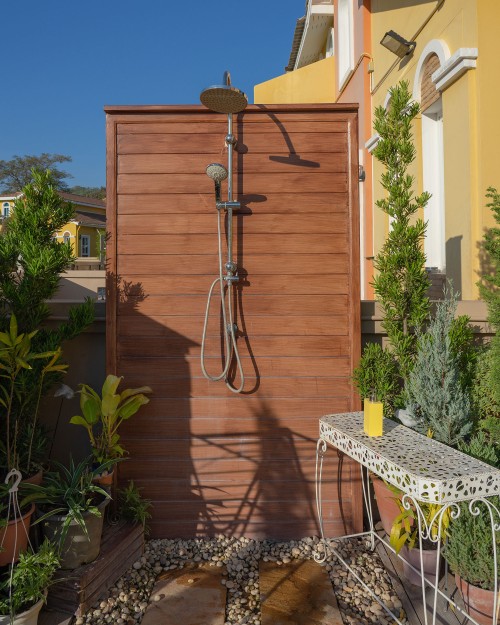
(231, 267)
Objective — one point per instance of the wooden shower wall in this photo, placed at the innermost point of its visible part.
(212, 461)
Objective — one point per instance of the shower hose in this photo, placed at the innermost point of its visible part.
(229, 335)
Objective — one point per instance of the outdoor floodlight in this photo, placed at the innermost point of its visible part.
(397, 44)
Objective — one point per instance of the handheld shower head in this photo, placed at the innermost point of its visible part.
(217, 172)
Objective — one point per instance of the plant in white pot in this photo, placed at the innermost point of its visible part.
(23, 586)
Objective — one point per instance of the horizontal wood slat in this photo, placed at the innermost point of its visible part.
(204, 203)
(260, 182)
(220, 127)
(206, 143)
(154, 325)
(143, 286)
(260, 387)
(195, 164)
(242, 224)
(252, 305)
(204, 264)
(261, 346)
(252, 244)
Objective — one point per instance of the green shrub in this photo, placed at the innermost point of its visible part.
(377, 374)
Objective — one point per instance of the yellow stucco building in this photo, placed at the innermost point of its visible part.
(450, 64)
(86, 231)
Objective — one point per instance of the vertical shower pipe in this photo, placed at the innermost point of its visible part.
(229, 328)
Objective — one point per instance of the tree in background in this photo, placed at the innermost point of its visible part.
(98, 193)
(401, 282)
(16, 173)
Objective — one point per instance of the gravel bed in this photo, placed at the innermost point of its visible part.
(127, 600)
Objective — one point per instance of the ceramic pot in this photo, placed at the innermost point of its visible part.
(412, 556)
(388, 509)
(30, 617)
(105, 480)
(78, 547)
(14, 537)
(478, 601)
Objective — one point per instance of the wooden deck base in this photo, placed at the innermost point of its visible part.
(78, 590)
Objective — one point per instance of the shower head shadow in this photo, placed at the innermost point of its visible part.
(224, 98)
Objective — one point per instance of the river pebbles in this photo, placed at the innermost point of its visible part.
(128, 598)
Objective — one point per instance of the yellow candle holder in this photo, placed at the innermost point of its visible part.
(373, 417)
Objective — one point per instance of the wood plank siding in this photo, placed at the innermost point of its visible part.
(212, 461)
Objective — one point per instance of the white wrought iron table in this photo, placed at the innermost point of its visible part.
(424, 469)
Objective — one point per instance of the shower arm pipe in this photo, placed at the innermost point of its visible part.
(230, 146)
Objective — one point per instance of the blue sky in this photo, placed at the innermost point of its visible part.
(63, 60)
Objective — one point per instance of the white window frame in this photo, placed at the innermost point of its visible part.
(6, 209)
(345, 40)
(66, 237)
(84, 246)
(433, 182)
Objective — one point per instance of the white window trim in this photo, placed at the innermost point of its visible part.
(460, 62)
(340, 38)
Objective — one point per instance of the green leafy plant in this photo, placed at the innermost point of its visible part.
(489, 288)
(26, 582)
(405, 527)
(132, 506)
(436, 397)
(377, 374)
(17, 355)
(70, 491)
(401, 282)
(31, 263)
(102, 415)
(469, 546)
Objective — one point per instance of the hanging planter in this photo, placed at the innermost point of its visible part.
(14, 537)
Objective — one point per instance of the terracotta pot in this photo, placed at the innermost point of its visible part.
(78, 547)
(478, 601)
(388, 509)
(30, 617)
(36, 479)
(412, 556)
(104, 480)
(14, 537)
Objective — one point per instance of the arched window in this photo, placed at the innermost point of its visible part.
(66, 237)
(5, 209)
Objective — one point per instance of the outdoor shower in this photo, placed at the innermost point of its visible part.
(224, 99)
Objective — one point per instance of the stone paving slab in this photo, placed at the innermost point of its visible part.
(193, 596)
(299, 593)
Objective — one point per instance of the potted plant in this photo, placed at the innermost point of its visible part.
(23, 586)
(469, 553)
(72, 507)
(405, 538)
(102, 416)
(469, 546)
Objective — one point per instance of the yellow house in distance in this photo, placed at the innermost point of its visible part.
(356, 51)
(86, 231)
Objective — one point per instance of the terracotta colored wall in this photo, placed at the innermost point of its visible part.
(213, 461)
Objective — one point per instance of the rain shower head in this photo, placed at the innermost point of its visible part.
(217, 172)
(224, 98)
